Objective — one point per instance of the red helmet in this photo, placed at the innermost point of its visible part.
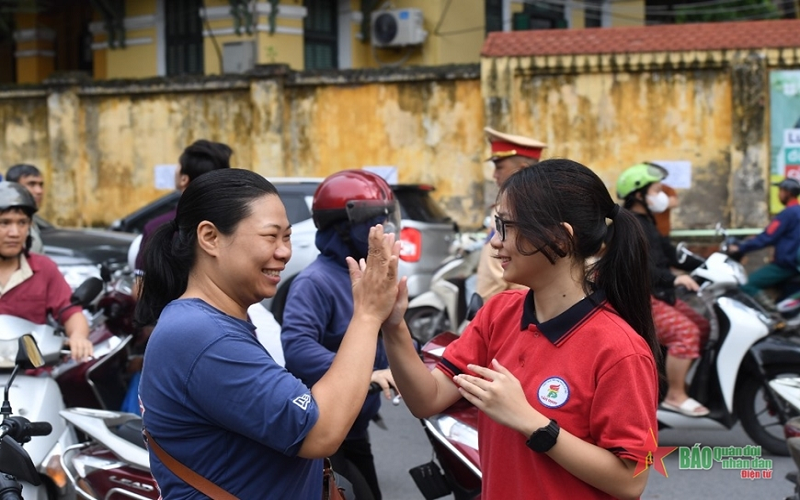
(355, 196)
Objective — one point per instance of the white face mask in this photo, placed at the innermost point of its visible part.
(658, 203)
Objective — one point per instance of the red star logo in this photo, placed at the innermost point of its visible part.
(652, 454)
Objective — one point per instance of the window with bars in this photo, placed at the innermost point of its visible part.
(320, 36)
(494, 15)
(593, 14)
(540, 16)
(183, 37)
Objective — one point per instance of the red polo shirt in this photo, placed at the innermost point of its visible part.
(586, 368)
(45, 292)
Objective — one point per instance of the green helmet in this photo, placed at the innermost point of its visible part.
(638, 176)
(13, 195)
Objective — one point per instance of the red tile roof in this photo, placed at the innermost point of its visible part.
(662, 38)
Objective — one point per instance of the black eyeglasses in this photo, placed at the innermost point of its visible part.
(500, 226)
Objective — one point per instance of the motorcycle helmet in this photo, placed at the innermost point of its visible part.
(355, 196)
(13, 195)
(637, 177)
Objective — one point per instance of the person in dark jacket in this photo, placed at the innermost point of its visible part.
(679, 327)
(783, 233)
(319, 306)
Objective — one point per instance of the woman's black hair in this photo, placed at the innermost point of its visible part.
(223, 197)
(542, 197)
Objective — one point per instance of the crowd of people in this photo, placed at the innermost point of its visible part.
(559, 316)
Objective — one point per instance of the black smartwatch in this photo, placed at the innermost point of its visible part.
(545, 438)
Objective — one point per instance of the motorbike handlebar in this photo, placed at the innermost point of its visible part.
(10, 489)
(21, 429)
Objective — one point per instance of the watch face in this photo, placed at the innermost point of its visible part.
(545, 438)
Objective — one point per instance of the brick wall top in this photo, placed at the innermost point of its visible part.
(635, 39)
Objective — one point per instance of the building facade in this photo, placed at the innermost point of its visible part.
(123, 39)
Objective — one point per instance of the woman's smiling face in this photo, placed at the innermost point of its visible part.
(252, 258)
(517, 267)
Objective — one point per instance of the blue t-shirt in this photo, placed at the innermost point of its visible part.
(215, 400)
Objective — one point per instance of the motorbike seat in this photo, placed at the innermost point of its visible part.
(131, 431)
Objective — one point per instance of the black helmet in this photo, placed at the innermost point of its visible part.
(13, 195)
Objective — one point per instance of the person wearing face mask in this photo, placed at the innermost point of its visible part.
(678, 327)
(783, 233)
(319, 305)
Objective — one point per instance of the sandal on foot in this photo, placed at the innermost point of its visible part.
(691, 408)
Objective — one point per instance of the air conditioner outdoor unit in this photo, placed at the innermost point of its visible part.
(397, 27)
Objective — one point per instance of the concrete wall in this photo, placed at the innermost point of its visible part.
(612, 111)
(98, 142)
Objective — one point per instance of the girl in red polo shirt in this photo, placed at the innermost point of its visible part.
(564, 373)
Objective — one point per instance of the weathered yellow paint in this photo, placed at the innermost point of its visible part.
(611, 121)
(627, 13)
(100, 145)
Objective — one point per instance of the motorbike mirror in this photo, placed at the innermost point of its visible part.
(87, 292)
(475, 303)
(28, 356)
(28, 353)
(105, 273)
(15, 460)
(681, 253)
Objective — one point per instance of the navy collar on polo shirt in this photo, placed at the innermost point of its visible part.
(556, 328)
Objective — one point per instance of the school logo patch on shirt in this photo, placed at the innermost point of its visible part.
(302, 401)
(553, 392)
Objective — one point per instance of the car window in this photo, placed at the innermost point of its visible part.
(297, 209)
(417, 204)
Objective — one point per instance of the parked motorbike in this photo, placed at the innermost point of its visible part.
(747, 349)
(444, 306)
(789, 390)
(43, 397)
(113, 462)
(101, 382)
(16, 467)
(453, 434)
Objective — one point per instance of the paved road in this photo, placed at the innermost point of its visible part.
(404, 446)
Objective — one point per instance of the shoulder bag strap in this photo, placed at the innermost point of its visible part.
(189, 476)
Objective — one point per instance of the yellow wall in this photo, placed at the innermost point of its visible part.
(106, 141)
(610, 121)
(134, 61)
(627, 13)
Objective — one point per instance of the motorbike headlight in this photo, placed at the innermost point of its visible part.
(78, 273)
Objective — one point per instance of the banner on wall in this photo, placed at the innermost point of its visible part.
(784, 97)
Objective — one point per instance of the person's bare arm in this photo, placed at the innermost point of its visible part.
(497, 393)
(424, 392)
(77, 329)
(341, 392)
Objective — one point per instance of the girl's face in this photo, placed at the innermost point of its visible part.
(517, 268)
(252, 258)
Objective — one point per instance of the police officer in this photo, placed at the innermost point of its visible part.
(510, 153)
